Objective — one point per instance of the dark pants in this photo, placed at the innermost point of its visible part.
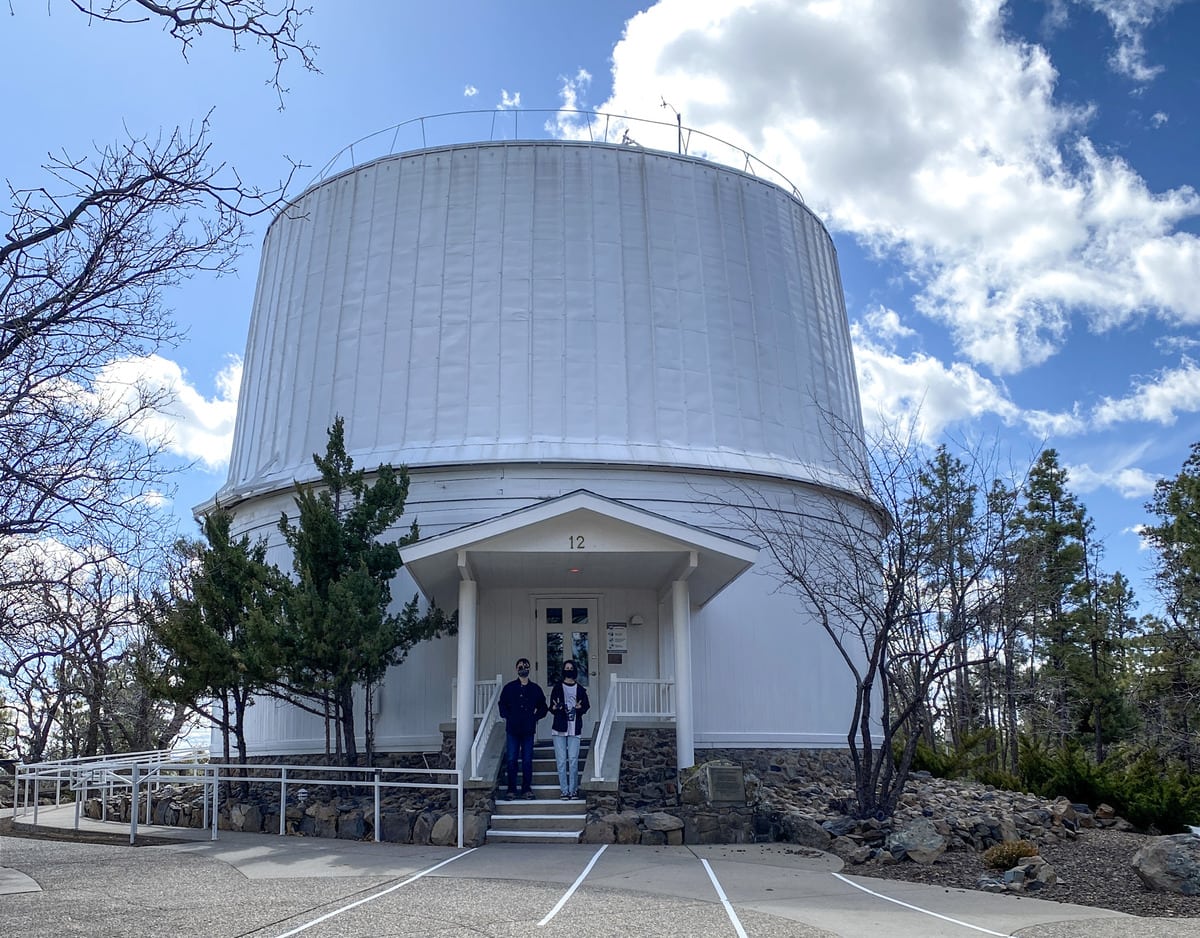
(520, 748)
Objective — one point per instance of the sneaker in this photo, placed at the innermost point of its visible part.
(509, 796)
(565, 796)
(528, 796)
(574, 795)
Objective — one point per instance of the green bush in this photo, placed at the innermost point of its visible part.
(1005, 856)
(966, 761)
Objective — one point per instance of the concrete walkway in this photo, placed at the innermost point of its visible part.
(761, 889)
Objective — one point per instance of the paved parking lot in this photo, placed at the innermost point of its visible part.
(260, 886)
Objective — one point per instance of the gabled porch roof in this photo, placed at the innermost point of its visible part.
(578, 541)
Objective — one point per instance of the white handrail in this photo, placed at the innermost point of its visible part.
(483, 693)
(603, 728)
(631, 698)
(490, 715)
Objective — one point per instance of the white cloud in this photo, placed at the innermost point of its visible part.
(1158, 118)
(572, 93)
(1173, 392)
(190, 424)
(508, 100)
(1129, 20)
(1128, 481)
(1048, 425)
(930, 134)
(470, 91)
(885, 323)
(920, 390)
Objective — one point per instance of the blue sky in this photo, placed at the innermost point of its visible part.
(1011, 186)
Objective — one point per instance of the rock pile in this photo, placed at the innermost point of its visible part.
(1029, 875)
(934, 815)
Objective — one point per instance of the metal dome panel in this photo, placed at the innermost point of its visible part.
(546, 302)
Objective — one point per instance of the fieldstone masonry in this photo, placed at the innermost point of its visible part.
(804, 797)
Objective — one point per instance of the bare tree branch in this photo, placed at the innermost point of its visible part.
(275, 25)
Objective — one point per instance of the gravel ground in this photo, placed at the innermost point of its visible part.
(1094, 869)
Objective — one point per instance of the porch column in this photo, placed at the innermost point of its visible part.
(681, 618)
(468, 596)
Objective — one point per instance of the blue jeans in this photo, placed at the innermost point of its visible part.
(520, 749)
(566, 755)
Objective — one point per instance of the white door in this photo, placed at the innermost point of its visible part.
(567, 628)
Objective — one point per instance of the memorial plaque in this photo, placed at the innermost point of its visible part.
(726, 783)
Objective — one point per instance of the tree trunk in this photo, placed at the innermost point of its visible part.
(345, 707)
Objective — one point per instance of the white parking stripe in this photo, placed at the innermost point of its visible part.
(737, 925)
(917, 908)
(575, 885)
(384, 892)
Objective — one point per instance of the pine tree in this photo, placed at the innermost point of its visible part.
(338, 631)
(217, 634)
(1051, 572)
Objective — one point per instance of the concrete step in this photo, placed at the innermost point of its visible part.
(543, 792)
(533, 837)
(546, 819)
(540, 822)
(558, 806)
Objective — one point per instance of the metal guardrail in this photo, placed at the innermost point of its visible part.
(143, 772)
(456, 127)
(631, 698)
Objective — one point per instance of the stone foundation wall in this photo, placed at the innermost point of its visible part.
(653, 805)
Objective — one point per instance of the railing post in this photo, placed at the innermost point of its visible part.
(378, 777)
(133, 806)
(216, 799)
(458, 776)
(149, 788)
(37, 796)
(79, 797)
(283, 803)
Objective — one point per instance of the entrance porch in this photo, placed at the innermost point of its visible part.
(579, 572)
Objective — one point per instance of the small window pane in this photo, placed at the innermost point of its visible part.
(554, 615)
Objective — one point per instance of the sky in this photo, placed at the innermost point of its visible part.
(1011, 186)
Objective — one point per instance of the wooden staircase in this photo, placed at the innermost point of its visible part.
(547, 819)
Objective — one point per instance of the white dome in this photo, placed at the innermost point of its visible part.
(546, 302)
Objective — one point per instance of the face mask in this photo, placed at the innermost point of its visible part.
(522, 672)
(568, 675)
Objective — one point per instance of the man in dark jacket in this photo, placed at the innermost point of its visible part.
(522, 704)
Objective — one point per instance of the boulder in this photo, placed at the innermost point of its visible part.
(798, 829)
(1170, 864)
(661, 821)
(919, 841)
(246, 817)
(475, 827)
(351, 826)
(599, 832)
(445, 831)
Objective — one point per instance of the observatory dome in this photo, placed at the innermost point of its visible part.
(546, 302)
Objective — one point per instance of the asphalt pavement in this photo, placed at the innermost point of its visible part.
(265, 886)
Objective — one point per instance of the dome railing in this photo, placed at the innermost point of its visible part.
(501, 124)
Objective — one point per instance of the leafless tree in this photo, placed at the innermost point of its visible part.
(83, 268)
(88, 255)
(856, 559)
(275, 25)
